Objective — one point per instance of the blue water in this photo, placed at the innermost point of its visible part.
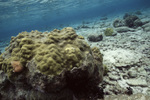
(45, 15)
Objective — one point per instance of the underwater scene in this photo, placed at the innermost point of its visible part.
(74, 49)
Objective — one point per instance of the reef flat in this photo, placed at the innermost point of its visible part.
(124, 44)
(126, 53)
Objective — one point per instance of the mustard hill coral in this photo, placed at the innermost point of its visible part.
(51, 62)
(53, 52)
(59, 54)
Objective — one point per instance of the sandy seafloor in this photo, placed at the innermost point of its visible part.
(127, 54)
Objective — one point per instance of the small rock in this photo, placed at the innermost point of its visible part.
(147, 29)
(114, 77)
(129, 91)
(138, 13)
(118, 23)
(137, 82)
(146, 25)
(126, 15)
(104, 18)
(138, 23)
(132, 74)
(148, 91)
(84, 26)
(95, 38)
(142, 71)
(110, 82)
(123, 29)
(117, 89)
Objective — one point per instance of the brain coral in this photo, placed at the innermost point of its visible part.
(52, 61)
(52, 52)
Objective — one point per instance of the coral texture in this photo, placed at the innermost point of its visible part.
(51, 62)
(109, 32)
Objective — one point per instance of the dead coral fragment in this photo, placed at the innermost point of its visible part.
(17, 66)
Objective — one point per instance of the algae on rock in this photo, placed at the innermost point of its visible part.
(109, 32)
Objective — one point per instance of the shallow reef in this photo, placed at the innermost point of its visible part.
(56, 65)
(129, 20)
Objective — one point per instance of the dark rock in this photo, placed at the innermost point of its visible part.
(118, 23)
(95, 38)
(82, 26)
(126, 15)
(138, 13)
(132, 21)
(138, 23)
(129, 91)
(104, 18)
(3, 80)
